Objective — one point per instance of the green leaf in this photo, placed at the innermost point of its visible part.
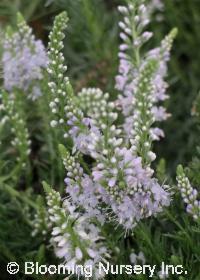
(46, 187)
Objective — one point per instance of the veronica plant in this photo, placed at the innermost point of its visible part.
(12, 115)
(59, 85)
(75, 238)
(23, 59)
(189, 194)
(120, 177)
(109, 176)
(141, 106)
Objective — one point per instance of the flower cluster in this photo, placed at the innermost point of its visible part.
(188, 193)
(138, 124)
(41, 223)
(24, 59)
(95, 133)
(129, 189)
(132, 66)
(14, 116)
(121, 178)
(109, 176)
(60, 87)
(75, 239)
(94, 103)
(80, 187)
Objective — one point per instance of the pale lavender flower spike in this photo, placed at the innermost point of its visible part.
(86, 247)
(118, 184)
(23, 59)
(121, 178)
(129, 68)
(129, 189)
(189, 194)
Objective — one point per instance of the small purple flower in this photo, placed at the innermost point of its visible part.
(23, 60)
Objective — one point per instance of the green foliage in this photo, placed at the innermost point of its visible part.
(184, 79)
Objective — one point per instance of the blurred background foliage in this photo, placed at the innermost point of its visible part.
(182, 135)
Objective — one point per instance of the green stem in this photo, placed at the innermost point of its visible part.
(19, 195)
(173, 219)
(11, 175)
